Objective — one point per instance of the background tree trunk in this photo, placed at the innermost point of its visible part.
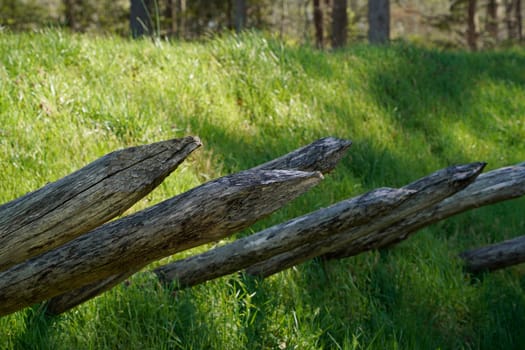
(70, 14)
(510, 19)
(339, 23)
(318, 24)
(519, 21)
(471, 33)
(140, 19)
(492, 19)
(239, 17)
(378, 21)
(181, 18)
(171, 16)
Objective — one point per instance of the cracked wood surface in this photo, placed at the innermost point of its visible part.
(495, 256)
(429, 191)
(321, 155)
(283, 237)
(489, 188)
(203, 214)
(63, 210)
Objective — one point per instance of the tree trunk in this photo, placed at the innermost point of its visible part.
(321, 155)
(206, 213)
(175, 10)
(239, 8)
(429, 191)
(492, 187)
(171, 15)
(180, 8)
(140, 20)
(471, 34)
(378, 21)
(70, 14)
(492, 19)
(495, 256)
(318, 24)
(277, 239)
(65, 209)
(339, 23)
(510, 19)
(519, 21)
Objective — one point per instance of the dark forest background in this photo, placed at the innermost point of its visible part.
(474, 24)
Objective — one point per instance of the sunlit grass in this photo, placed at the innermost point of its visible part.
(69, 99)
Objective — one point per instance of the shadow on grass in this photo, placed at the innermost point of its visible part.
(419, 90)
(431, 94)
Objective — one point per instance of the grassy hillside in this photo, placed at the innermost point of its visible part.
(67, 100)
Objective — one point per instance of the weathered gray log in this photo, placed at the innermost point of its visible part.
(68, 300)
(203, 214)
(60, 211)
(489, 188)
(321, 155)
(496, 256)
(495, 186)
(430, 190)
(283, 237)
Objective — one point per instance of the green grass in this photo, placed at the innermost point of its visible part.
(68, 99)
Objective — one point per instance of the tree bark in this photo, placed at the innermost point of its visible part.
(510, 19)
(206, 213)
(429, 190)
(495, 256)
(140, 20)
(318, 24)
(180, 9)
(519, 21)
(321, 155)
(471, 34)
(171, 16)
(339, 23)
(489, 188)
(70, 14)
(492, 19)
(239, 16)
(283, 237)
(378, 21)
(63, 210)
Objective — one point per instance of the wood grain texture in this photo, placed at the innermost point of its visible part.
(283, 237)
(322, 155)
(429, 191)
(495, 256)
(63, 210)
(489, 188)
(203, 214)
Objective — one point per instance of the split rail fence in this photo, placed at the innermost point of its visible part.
(58, 245)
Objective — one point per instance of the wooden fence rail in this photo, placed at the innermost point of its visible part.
(495, 256)
(65, 209)
(300, 239)
(320, 156)
(56, 246)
